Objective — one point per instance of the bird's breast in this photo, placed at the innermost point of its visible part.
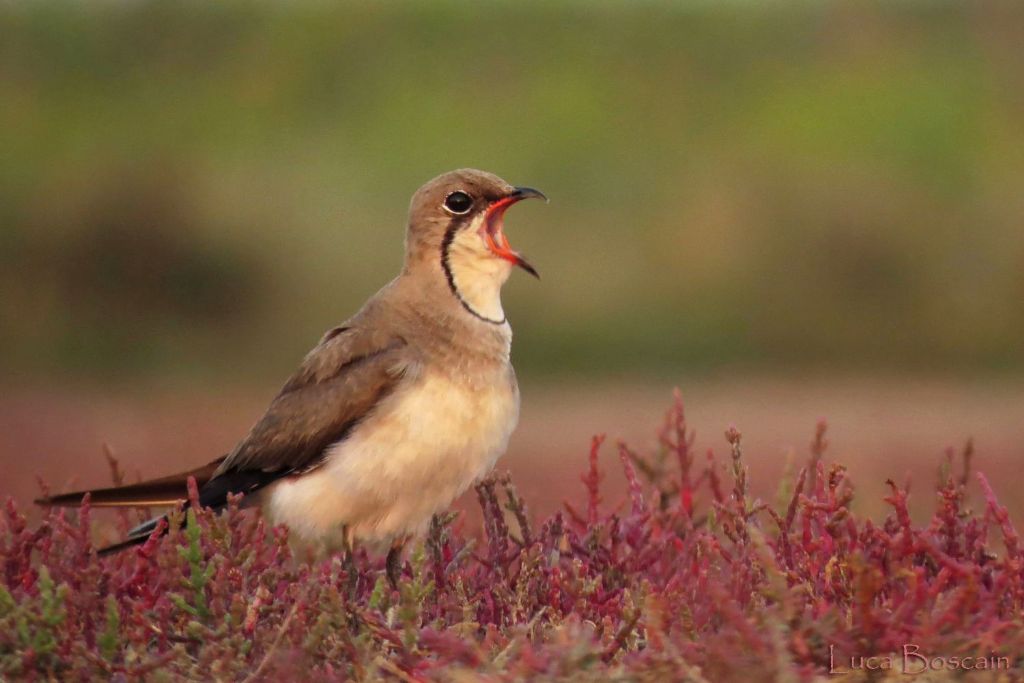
(410, 458)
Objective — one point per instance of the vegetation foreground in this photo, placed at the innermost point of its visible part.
(690, 579)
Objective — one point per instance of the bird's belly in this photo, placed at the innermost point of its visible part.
(420, 449)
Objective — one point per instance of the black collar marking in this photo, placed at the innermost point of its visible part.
(446, 244)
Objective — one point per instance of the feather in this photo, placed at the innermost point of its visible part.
(164, 491)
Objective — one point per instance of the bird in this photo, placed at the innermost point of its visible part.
(396, 411)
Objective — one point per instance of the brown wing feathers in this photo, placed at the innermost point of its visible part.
(338, 384)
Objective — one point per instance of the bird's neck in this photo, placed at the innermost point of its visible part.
(440, 321)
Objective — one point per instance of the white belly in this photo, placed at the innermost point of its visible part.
(420, 449)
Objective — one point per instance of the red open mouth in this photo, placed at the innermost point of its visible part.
(493, 228)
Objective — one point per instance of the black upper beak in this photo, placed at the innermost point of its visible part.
(528, 193)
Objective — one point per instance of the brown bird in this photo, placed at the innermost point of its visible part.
(396, 411)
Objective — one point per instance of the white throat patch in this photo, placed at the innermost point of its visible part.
(476, 274)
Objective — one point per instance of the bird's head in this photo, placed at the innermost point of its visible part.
(457, 221)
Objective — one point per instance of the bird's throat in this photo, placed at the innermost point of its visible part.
(475, 276)
(481, 294)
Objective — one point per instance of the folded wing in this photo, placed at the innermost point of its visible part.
(339, 383)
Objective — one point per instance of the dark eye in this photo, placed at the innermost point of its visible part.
(458, 202)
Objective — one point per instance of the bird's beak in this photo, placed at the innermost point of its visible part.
(493, 228)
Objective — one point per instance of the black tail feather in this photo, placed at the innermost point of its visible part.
(164, 491)
(137, 536)
(167, 492)
(123, 545)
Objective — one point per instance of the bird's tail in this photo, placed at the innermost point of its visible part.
(162, 492)
(133, 539)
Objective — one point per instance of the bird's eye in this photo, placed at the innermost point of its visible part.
(458, 202)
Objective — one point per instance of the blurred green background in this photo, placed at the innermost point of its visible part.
(198, 190)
